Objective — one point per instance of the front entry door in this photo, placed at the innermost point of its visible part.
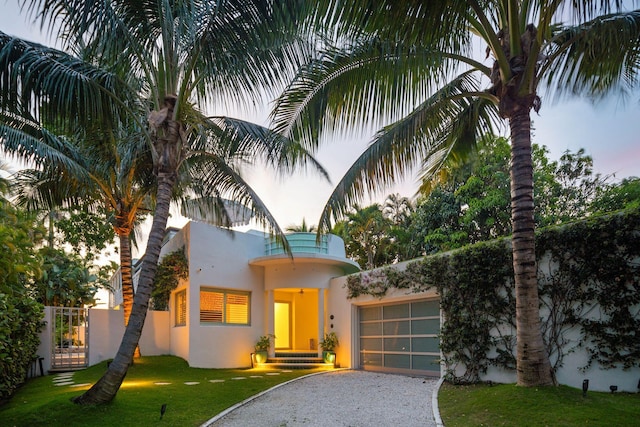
(282, 312)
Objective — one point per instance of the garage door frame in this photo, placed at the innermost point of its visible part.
(399, 337)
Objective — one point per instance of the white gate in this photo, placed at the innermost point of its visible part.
(70, 333)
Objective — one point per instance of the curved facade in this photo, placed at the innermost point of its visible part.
(244, 285)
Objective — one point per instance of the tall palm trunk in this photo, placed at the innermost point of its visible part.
(106, 388)
(127, 279)
(532, 361)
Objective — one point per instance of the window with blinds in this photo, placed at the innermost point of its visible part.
(226, 307)
(181, 308)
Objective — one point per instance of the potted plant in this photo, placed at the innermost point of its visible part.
(262, 348)
(328, 345)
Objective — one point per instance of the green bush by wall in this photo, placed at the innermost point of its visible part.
(588, 276)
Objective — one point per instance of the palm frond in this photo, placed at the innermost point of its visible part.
(597, 57)
(447, 124)
(55, 85)
(241, 141)
(355, 86)
(216, 210)
(29, 141)
(212, 177)
(49, 189)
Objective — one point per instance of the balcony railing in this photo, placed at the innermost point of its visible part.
(300, 243)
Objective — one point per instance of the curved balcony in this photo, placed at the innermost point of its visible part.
(306, 248)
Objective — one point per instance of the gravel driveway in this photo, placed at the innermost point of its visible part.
(339, 398)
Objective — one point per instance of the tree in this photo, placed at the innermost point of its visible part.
(397, 209)
(302, 228)
(366, 238)
(65, 280)
(21, 319)
(412, 62)
(623, 195)
(109, 173)
(565, 189)
(175, 54)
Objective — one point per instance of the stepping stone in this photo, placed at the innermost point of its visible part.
(161, 383)
(67, 375)
(62, 378)
(191, 383)
(273, 373)
(63, 383)
(239, 378)
(216, 381)
(255, 376)
(80, 385)
(287, 370)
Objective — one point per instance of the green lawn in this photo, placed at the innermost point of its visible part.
(41, 403)
(508, 405)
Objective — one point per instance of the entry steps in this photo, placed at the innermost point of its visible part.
(296, 360)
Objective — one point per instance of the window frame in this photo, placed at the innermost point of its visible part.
(225, 293)
(180, 297)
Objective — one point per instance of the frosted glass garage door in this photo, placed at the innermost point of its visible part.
(400, 337)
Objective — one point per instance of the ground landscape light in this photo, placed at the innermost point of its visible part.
(585, 387)
(163, 409)
(613, 388)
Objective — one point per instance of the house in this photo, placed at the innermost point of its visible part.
(244, 285)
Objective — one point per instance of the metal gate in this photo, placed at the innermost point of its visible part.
(70, 336)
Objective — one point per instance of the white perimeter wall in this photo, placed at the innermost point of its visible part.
(106, 329)
(345, 322)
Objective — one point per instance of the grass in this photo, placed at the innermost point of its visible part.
(509, 405)
(41, 403)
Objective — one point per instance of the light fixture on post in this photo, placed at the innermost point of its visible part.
(585, 387)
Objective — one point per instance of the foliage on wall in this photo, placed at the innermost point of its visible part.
(172, 268)
(591, 281)
(597, 269)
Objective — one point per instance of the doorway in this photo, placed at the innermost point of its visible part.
(282, 327)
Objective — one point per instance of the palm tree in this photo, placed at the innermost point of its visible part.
(112, 174)
(175, 54)
(397, 209)
(302, 228)
(364, 232)
(411, 62)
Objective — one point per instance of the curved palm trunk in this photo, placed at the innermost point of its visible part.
(127, 280)
(106, 388)
(532, 361)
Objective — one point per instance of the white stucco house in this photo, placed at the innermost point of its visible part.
(243, 285)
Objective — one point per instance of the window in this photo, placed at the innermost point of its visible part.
(226, 307)
(181, 308)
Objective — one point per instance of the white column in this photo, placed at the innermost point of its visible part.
(271, 320)
(321, 317)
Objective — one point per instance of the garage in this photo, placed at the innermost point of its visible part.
(400, 337)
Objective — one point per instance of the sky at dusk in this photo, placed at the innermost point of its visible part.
(609, 132)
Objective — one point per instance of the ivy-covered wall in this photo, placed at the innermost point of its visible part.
(589, 281)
